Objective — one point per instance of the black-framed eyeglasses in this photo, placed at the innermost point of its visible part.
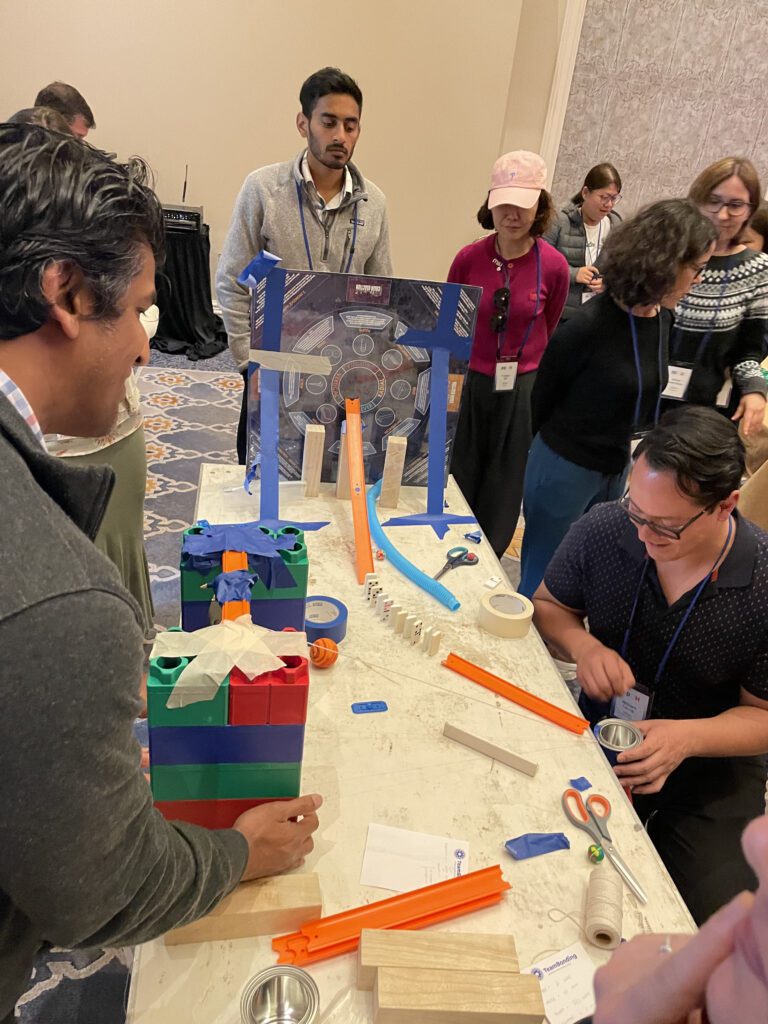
(668, 532)
(608, 197)
(714, 204)
(501, 305)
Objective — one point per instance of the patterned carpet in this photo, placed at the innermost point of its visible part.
(190, 417)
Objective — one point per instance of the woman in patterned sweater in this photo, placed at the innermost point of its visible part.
(719, 338)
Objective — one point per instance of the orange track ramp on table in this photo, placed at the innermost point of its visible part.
(356, 463)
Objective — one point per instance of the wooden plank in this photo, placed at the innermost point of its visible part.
(443, 951)
(394, 463)
(411, 995)
(342, 473)
(312, 458)
(490, 749)
(266, 906)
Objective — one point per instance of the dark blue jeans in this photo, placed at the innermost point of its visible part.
(556, 493)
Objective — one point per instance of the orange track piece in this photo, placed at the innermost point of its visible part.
(329, 936)
(540, 707)
(230, 561)
(363, 555)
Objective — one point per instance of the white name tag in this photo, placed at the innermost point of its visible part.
(724, 394)
(679, 379)
(506, 375)
(632, 707)
(586, 296)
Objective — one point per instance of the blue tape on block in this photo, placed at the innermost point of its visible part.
(226, 744)
(475, 537)
(325, 616)
(533, 844)
(367, 707)
(581, 784)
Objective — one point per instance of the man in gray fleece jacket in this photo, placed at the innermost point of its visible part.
(315, 212)
(85, 860)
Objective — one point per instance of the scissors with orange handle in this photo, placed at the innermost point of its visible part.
(592, 815)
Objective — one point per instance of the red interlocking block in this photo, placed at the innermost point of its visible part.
(289, 692)
(207, 813)
(248, 699)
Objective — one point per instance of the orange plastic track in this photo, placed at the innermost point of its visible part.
(329, 936)
(230, 561)
(363, 553)
(540, 707)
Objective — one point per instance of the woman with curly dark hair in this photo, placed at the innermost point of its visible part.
(524, 282)
(601, 378)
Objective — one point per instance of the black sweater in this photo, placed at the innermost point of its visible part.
(586, 389)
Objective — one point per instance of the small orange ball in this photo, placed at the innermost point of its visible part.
(323, 652)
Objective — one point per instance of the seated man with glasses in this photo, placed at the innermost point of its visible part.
(674, 586)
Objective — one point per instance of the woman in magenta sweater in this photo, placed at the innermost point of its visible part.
(525, 283)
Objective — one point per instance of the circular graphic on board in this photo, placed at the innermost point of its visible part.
(385, 416)
(400, 390)
(363, 345)
(316, 384)
(360, 379)
(392, 359)
(327, 413)
(333, 353)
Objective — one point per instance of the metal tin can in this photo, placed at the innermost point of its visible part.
(280, 995)
(615, 735)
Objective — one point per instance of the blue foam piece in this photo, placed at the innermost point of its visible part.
(581, 784)
(368, 707)
(440, 523)
(226, 744)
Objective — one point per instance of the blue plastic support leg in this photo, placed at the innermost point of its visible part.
(269, 382)
(438, 415)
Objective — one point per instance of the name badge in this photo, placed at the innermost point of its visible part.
(506, 375)
(679, 379)
(634, 706)
(724, 394)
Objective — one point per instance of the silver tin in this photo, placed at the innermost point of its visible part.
(280, 995)
(615, 735)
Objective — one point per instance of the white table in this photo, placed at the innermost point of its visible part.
(396, 768)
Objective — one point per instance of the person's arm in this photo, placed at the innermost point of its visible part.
(557, 294)
(379, 263)
(568, 350)
(243, 242)
(746, 356)
(85, 856)
(457, 273)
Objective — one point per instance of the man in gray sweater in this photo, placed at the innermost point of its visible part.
(85, 860)
(316, 212)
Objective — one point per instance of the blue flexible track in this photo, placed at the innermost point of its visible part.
(400, 562)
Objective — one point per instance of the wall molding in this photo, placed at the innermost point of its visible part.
(561, 83)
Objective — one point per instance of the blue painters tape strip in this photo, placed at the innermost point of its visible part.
(325, 616)
(368, 707)
(581, 784)
(270, 397)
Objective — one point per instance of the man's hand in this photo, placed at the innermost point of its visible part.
(584, 275)
(275, 842)
(645, 768)
(751, 411)
(642, 985)
(602, 673)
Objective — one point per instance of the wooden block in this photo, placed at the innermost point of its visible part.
(394, 463)
(490, 750)
(342, 474)
(441, 951)
(413, 995)
(312, 459)
(267, 906)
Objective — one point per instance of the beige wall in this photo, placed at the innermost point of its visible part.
(215, 85)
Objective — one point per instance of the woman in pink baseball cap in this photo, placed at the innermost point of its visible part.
(525, 284)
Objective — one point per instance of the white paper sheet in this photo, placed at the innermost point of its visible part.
(398, 859)
(566, 984)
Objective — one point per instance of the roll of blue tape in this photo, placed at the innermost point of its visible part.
(325, 616)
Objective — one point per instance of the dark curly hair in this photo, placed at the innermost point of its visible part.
(325, 82)
(642, 257)
(545, 212)
(759, 223)
(61, 200)
(701, 447)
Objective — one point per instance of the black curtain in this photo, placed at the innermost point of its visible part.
(188, 324)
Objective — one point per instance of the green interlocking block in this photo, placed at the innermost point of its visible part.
(225, 781)
(192, 581)
(163, 673)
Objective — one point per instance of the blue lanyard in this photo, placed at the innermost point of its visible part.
(529, 328)
(688, 611)
(708, 334)
(639, 371)
(306, 238)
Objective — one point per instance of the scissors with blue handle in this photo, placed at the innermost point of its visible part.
(592, 815)
(457, 557)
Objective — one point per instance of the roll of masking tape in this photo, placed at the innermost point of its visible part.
(325, 616)
(505, 613)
